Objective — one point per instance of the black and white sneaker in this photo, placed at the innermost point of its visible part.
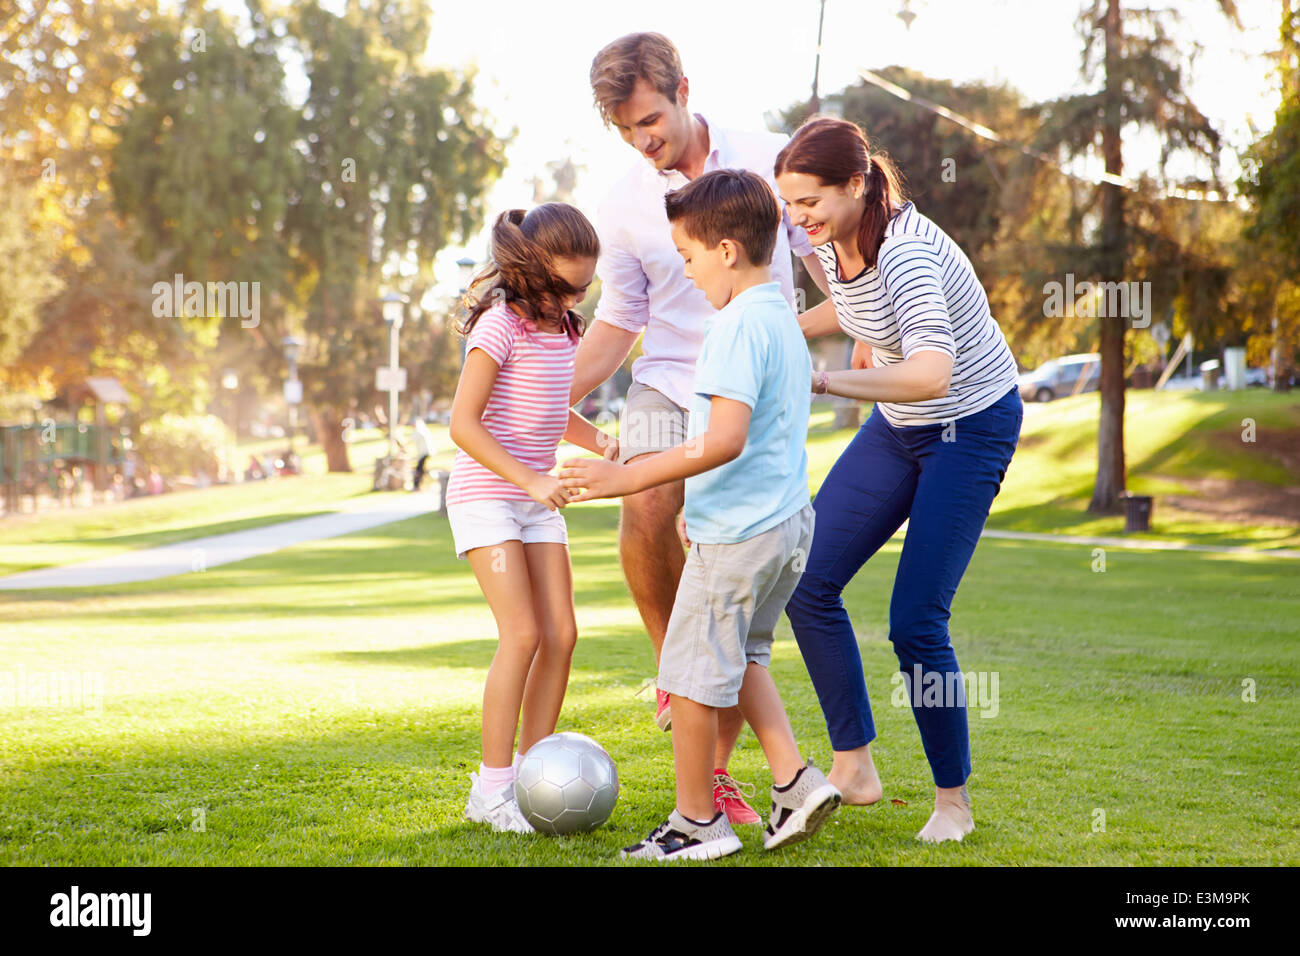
(678, 838)
(801, 808)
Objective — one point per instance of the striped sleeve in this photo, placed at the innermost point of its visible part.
(912, 275)
(494, 333)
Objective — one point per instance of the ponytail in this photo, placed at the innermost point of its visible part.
(834, 151)
(522, 270)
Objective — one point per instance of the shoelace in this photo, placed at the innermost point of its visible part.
(645, 684)
(732, 787)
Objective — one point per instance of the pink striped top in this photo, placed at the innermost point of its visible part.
(528, 411)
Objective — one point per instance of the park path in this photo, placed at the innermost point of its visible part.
(149, 564)
(182, 557)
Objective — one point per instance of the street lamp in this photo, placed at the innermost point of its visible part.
(230, 382)
(292, 387)
(394, 305)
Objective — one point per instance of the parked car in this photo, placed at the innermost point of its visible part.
(1061, 376)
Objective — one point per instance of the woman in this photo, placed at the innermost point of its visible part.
(933, 452)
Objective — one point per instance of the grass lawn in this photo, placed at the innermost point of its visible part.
(320, 706)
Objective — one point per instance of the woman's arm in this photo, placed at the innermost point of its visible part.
(925, 375)
(467, 431)
(819, 320)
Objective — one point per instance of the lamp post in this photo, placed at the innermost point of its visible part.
(394, 304)
(292, 387)
(467, 268)
(230, 382)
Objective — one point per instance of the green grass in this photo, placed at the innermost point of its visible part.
(320, 706)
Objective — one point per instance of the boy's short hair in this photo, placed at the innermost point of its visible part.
(735, 204)
(616, 68)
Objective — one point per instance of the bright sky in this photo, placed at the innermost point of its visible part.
(746, 58)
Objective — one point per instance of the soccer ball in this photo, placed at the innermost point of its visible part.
(566, 784)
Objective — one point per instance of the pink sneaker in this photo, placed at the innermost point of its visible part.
(663, 710)
(727, 798)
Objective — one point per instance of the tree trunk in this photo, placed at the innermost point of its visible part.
(1110, 428)
(329, 426)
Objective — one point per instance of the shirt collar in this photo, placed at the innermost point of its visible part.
(715, 158)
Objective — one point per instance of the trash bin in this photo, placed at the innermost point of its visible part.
(1210, 375)
(1137, 511)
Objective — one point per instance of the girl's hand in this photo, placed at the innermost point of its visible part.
(681, 531)
(611, 450)
(588, 478)
(547, 490)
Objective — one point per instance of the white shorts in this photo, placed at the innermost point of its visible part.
(478, 524)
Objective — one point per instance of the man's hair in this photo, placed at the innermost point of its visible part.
(615, 70)
(734, 204)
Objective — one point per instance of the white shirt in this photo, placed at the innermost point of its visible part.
(643, 282)
(923, 295)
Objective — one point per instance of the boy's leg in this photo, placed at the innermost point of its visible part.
(761, 704)
(695, 734)
(548, 678)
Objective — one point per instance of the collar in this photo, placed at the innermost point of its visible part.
(715, 158)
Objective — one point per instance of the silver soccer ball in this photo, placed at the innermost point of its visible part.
(566, 784)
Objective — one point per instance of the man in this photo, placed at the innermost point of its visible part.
(640, 89)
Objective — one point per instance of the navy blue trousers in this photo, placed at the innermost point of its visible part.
(942, 480)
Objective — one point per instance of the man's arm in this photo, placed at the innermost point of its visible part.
(818, 274)
(603, 349)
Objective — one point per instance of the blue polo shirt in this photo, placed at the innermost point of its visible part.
(753, 352)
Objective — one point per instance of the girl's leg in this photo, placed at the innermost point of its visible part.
(958, 482)
(864, 500)
(502, 573)
(552, 597)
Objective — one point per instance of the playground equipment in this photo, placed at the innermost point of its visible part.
(57, 457)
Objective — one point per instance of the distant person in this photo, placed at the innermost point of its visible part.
(422, 441)
(155, 485)
(510, 413)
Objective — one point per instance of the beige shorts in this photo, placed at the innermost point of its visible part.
(650, 422)
(727, 607)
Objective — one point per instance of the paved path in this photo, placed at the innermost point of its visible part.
(148, 564)
(196, 554)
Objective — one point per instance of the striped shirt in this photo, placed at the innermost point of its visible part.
(528, 410)
(923, 295)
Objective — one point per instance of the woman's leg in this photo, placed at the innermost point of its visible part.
(959, 479)
(863, 501)
(502, 573)
(552, 586)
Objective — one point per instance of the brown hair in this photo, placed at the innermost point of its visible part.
(616, 68)
(734, 204)
(522, 271)
(833, 150)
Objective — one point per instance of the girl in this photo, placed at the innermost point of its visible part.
(510, 412)
(933, 452)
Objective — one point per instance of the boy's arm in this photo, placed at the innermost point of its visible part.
(723, 442)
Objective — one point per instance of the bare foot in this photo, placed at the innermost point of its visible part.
(854, 774)
(951, 819)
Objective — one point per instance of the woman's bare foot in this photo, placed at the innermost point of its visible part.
(951, 819)
(854, 774)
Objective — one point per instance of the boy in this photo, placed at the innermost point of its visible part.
(748, 520)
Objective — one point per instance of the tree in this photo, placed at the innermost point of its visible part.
(1140, 87)
(1272, 181)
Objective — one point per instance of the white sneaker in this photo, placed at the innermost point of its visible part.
(499, 810)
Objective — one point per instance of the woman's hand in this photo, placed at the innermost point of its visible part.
(588, 478)
(861, 356)
(547, 490)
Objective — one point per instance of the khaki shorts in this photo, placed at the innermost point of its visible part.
(727, 607)
(650, 422)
